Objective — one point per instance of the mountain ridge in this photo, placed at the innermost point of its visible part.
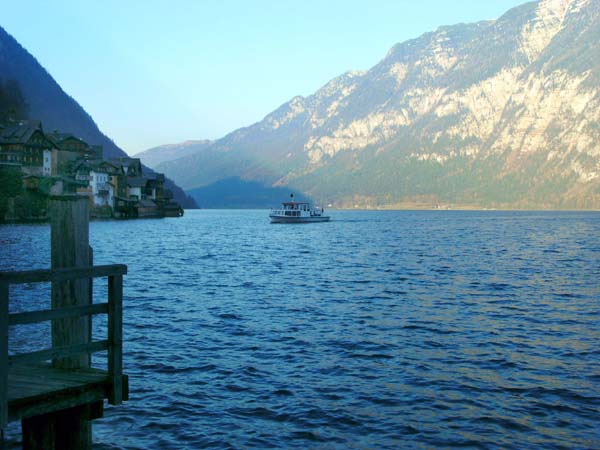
(156, 155)
(498, 113)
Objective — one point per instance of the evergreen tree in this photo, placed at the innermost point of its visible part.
(12, 102)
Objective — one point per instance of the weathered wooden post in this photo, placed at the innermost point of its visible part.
(68, 429)
(69, 218)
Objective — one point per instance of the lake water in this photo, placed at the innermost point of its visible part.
(432, 329)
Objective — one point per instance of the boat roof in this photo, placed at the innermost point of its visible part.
(295, 203)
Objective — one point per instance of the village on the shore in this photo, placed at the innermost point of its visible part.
(36, 164)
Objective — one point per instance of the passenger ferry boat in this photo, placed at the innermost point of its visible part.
(297, 212)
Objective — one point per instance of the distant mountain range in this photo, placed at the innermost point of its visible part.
(157, 155)
(502, 113)
(55, 108)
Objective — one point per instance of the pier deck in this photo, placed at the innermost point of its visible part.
(41, 389)
(48, 381)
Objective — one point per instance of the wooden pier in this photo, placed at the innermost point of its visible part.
(54, 392)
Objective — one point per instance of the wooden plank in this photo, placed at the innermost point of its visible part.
(59, 352)
(3, 354)
(115, 338)
(42, 389)
(35, 393)
(60, 313)
(64, 274)
(26, 380)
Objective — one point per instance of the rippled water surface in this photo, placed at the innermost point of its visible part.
(432, 329)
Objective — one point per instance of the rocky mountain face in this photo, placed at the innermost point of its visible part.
(53, 107)
(502, 113)
(156, 155)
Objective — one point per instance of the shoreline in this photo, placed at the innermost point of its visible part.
(416, 208)
(361, 209)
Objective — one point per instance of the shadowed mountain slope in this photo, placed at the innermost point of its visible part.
(53, 107)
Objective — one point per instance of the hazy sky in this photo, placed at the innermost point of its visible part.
(158, 72)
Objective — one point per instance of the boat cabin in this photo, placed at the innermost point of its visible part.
(294, 209)
(297, 209)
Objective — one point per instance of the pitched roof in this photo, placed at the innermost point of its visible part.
(58, 138)
(136, 181)
(21, 132)
(71, 181)
(82, 163)
(97, 163)
(125, 160)
(155, 176)
(115, 162)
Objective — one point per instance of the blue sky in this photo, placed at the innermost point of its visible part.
(157, 72)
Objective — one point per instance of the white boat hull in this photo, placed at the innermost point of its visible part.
(288, 219)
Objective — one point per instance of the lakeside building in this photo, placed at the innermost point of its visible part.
(100, 178)
(69, 150)
(24, 145)
(117, 187)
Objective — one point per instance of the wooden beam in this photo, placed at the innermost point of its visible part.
(115, 338)
(68, 429)
(60, 313)
(65, 274)
(59, 352)
(73, 429)
(125, 387)
(94, 410)
(38, 433)
(70, 248)
(59, 402)
(3, 354)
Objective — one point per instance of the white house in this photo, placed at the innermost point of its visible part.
(47, 163)
(103, 190)
(136, 187)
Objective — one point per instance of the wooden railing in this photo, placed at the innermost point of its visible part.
(114, 309)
